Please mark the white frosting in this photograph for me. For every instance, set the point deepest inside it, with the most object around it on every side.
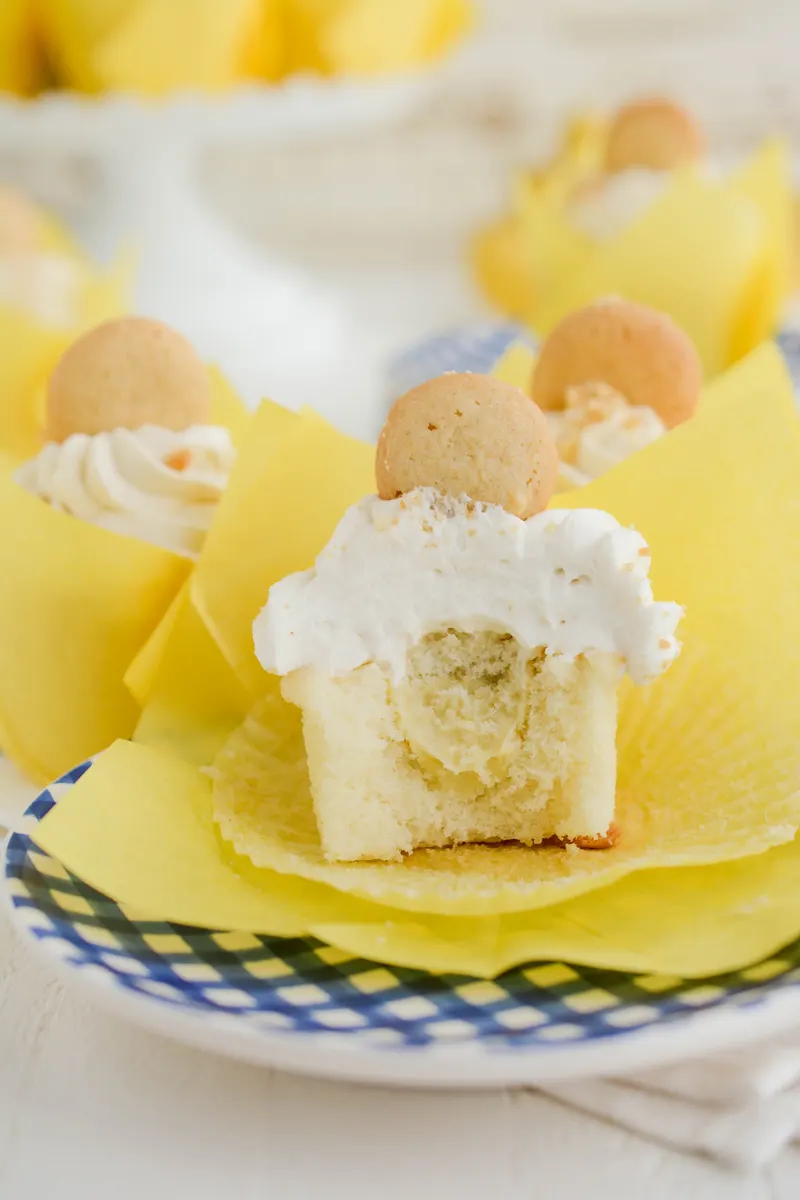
(394, 570)
(44, 285)
(601, 445)
(123, 481)
(617, 201)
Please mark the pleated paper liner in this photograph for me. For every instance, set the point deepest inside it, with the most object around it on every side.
(291, 484)
(715, 254)
(139, 828)
(713, 742)
(77, 605)
(144, 47)
(21, 68)
(720, 785)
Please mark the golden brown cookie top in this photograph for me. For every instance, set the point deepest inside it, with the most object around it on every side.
(639, 352)
(652, 133)
(469, 435)
(127, 373)
(20, 226)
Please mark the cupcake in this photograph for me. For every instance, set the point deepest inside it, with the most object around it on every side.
(99, 530)
(646, 141)
(611, 378)
(632, 206)
(456, 650)
(129, 443)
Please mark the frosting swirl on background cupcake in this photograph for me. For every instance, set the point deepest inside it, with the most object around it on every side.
(612, 378)
(599, 429)
(155, 484)
(604, 210)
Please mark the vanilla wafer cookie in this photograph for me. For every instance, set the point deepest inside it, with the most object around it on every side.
(639, 352)
(652, 133)
(127, 373)
(470, 435)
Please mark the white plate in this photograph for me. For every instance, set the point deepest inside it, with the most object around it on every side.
(301, 1006)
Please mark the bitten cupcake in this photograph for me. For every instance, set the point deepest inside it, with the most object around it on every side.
(612, 378)
(456, 650)
(129, 443)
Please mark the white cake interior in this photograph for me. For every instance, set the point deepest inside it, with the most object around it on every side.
(480, 740)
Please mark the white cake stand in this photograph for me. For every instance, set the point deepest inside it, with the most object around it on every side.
(268, 325)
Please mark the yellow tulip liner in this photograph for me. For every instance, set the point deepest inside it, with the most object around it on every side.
(134, 47)
(20, 59)
(704, 879)
(77, 605)
(715, 254)
(143, 47)
(371, 37)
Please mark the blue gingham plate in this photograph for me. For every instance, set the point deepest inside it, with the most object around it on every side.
(303, 1006)
(478, 347)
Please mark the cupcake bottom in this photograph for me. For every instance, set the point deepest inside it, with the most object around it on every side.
(480, 742)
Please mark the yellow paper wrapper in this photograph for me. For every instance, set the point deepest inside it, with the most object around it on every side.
(20, 61)
(154, 46)
(292, 482)
(719, 502)
(139, 827)
(294, 477)
(159, 46)
(30, 348)
(78, 605)
(698, 253)
(715, 255)
(515, 366)
(365, 37)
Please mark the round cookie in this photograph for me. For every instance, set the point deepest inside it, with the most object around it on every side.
(639, 352)
(127, 373)
(20, 227)
(469, 435)
(652, 133)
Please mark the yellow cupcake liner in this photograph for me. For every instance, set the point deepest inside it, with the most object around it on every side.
(294, 477)
(132, 45)
(716, 255)
(713, 741)
(368, 37)
(154, 46)
(139, 828)
(20, 59)
(31, 347)
(77, 606)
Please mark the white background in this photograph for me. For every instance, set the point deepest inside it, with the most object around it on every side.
(90, 1108)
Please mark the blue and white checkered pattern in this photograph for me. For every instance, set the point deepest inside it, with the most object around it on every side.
(471, 348)
(301, 986)
(478, 347)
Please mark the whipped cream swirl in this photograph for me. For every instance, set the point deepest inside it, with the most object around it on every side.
(599, 429)
(573, 582)
(46, 286)
(617, 200)
(150, 483)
